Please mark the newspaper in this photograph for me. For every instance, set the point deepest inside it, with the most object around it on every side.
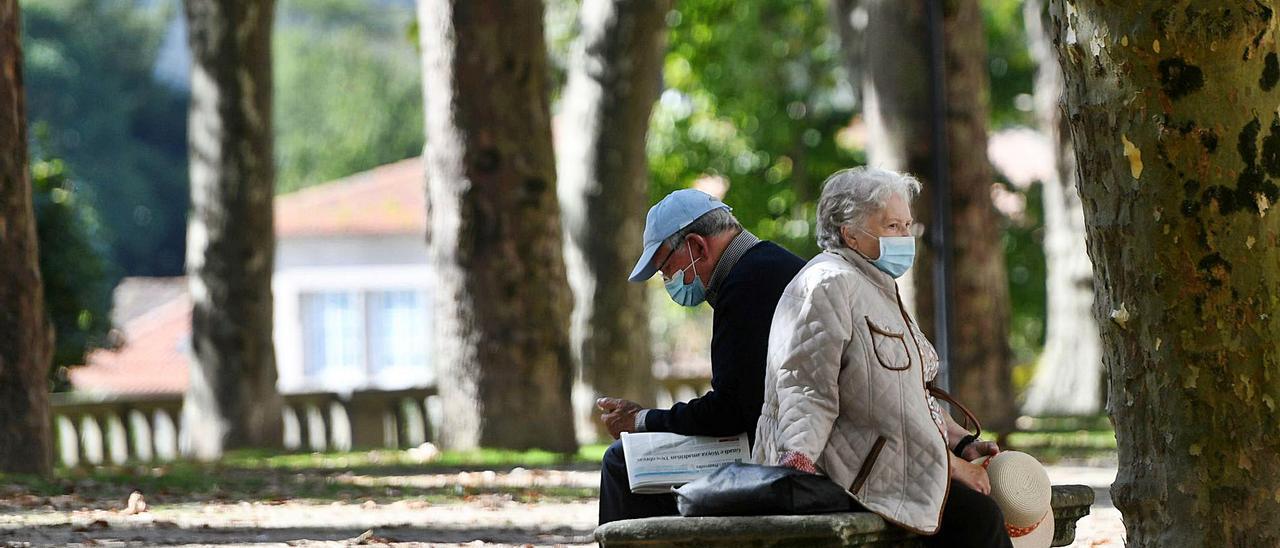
(658, 461)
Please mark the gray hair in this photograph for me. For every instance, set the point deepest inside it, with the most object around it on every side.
(711, 223)
(849, 196)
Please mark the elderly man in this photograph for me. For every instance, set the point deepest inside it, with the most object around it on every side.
(703, 254)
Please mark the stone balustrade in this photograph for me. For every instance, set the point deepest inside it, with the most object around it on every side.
(118, 428)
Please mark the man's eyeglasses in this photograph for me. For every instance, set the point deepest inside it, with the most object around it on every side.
(663, 264)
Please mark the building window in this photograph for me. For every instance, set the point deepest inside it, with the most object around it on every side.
(398, 332)
(333, 331)
(353, 336)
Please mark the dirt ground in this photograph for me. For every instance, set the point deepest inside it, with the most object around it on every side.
(486, 519)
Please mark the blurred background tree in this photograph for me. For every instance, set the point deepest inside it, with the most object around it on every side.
(1012, 73)
(112, 100)
(736, 74)
(348, 89)
(26, 339)
(603, 185)
(90, 85)
(755, 94)
(504, 354)
(74, 264)
(1069, 376)
(232, 400)
(1009, 64)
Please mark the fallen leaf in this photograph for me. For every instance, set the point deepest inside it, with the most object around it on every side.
(368, 537)
(136, 505)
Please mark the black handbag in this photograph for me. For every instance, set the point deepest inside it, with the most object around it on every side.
(738, 489)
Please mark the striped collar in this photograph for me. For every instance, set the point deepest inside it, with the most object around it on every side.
(735, 250)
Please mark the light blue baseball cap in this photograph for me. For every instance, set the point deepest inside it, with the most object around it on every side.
(668, 216)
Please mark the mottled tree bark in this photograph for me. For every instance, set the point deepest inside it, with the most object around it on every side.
(232, 400)
(614, 79)
(502, 318)
(1068, 378)
(1172, 107)
(26, 339)
(896, 94)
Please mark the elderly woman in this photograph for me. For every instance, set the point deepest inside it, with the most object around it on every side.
(847, 387)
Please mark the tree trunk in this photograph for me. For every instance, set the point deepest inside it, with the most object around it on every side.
(26, 340)
(232, 400)
(502, 322)
(1068, 379)
(896, 94)
(614, 80)
(1172, 109)
(849, 18)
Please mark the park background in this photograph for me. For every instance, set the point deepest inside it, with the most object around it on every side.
(481, 348)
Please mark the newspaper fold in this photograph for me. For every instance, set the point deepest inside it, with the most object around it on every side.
(659, 461)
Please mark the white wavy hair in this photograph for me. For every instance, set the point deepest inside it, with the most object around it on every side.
(849, 196)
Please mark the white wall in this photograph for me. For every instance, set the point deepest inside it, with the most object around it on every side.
(357, 263)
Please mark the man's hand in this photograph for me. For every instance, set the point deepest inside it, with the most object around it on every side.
(970, 474)
(979, 449)
(619, 415)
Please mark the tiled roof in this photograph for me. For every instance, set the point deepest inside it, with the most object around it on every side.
(390, 199)
(156, 351)
(154, 314)
(136, 296)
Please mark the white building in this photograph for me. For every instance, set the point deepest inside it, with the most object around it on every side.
(351, 289)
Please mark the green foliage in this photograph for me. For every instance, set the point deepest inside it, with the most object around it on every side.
(1098, 445)
(74, 267)
(1026, 268)
(1012, 73)
(348, 98)
(589, 454)
(348, 93)
(260, 475)
(1009, 63)
(561, 29)
(92, 101)
(755, 93)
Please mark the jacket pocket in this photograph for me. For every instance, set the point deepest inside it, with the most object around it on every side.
(890, 347)
(867, 464)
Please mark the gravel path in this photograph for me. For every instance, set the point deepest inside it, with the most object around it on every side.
(478, 520)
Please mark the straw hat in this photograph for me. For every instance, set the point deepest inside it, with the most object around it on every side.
(1020, 486)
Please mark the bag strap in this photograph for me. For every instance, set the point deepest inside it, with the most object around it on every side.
(969, 419)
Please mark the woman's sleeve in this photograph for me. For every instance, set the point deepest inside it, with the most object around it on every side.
(810, 348)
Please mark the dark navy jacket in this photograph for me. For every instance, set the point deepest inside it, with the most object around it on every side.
(744, 304)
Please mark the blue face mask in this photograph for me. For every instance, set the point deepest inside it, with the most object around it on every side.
(897, 253)
(687, 294)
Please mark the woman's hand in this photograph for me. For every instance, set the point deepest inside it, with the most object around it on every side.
(979, 449)
(972, 475)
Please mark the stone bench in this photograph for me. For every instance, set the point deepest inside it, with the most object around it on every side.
(1070, 503)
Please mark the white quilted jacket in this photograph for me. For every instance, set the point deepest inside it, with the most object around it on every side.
(845, 387)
